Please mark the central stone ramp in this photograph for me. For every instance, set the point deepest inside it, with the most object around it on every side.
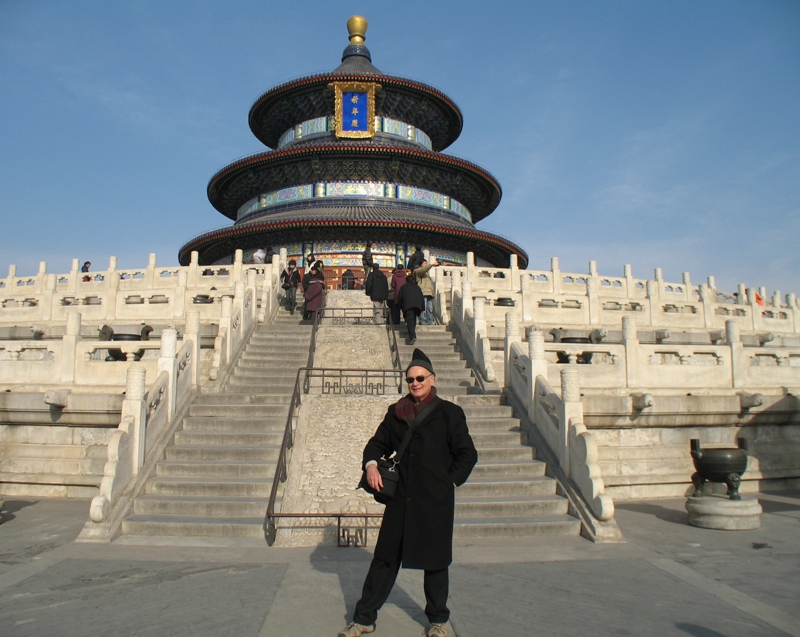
(508, 494)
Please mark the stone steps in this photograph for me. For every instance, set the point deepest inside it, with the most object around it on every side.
(188, 526)
(223, 487)
(215, 478)
(46, 484)
(235, 425)
(530, 526)
(196, 506)
(498, 506)
(239, 411)
(51, 470)
(213, 469)
(225, 438)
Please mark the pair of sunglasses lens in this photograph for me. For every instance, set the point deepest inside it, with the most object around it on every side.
(419, 379)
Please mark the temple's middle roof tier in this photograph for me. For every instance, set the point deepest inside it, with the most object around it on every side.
(351, 160)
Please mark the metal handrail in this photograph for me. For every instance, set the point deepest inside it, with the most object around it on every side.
(394, 349)
(281, 468)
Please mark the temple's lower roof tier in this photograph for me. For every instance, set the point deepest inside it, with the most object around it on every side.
(239, 182)
(358, 223)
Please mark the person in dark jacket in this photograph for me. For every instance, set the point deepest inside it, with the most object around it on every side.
(313, 291)
(314, 296)
(367, 260)
(416, 259)
(290, 277)
(412, 302)
(377, 289)
(398, 281)
(417, 527)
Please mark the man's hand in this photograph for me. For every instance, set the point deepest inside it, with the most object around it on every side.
(374, 477)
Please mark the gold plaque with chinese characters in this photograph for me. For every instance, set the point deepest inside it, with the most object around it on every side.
(355, 109)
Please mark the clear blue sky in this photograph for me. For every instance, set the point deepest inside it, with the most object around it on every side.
(657, 133)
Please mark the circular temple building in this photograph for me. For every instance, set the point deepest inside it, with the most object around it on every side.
(356, 158)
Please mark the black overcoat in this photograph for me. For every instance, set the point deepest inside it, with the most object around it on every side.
(439, 457)
(411, 297)
(377, 286)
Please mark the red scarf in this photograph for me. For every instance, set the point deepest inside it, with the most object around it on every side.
(406, 409)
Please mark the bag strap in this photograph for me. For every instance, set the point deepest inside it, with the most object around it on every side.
(417, 421)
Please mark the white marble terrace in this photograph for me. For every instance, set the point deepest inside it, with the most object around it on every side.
(664, 362)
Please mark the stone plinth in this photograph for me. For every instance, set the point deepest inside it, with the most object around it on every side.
(720, 512)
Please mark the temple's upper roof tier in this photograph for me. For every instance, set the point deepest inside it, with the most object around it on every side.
(398, 98)
(308, 98)
(375, 160)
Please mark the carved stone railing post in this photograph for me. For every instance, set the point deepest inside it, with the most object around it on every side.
(466, 300)
(707, 300)
(74, 277)
(630, 339)
(512, 336)
(134, 406)
(455, 286)
(593, 299)
(112, 291)
(150, 274)
(630, 284)
(41, 277)
(794, 311)
(569, 408)
(237, 266)
(555, 276)
(738, 361)
(48, 297)
(193, 333)
(194, 270)
(69, 356)
(653, 301)
(687, 287)
(478, 320)
(471, 273)
(538, 367)
(514, 274)
(168, 364)
(181, 293)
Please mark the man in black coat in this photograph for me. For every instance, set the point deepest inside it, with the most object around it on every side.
(416, 259)
(417, 527)
(377, 289)
(412, 301)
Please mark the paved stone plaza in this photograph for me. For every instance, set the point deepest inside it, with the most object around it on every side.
(667, 579)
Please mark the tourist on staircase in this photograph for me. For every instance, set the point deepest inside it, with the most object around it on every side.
(426, 285)
(417, 527)
(290, 279)
(398, 281)
(314, 292)
(412, 302)
(377, 289)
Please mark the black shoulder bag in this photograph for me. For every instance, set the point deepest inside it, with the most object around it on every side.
(388, 467)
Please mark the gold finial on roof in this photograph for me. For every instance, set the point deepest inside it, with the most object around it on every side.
(357, 27)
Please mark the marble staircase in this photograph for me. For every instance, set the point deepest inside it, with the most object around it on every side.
(216, 476)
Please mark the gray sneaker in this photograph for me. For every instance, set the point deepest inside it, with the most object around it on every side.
(354, 630)
(436, 630)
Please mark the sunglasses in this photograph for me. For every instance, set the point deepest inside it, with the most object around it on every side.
(419, 379)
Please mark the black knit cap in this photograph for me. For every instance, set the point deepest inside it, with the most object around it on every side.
(418, 359)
